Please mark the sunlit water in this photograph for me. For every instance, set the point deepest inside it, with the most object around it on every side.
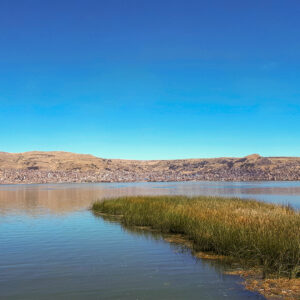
(53, 247)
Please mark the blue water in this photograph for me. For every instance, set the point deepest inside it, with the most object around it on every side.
(53, 247)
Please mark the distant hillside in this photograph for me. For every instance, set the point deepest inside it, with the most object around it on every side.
(43, 167)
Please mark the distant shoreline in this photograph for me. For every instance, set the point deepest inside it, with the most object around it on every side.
(18, 177)
(65, 167)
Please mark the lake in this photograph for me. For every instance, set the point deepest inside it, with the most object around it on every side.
(53, 247)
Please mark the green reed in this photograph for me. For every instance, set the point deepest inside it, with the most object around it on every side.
(253, 232)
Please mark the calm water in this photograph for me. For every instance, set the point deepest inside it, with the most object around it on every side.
(52, 247)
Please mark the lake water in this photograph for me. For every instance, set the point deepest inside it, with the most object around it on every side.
(53, 247)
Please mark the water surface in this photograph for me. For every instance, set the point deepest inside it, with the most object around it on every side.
(53, 247)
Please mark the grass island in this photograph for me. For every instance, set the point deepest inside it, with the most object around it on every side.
(258, 235)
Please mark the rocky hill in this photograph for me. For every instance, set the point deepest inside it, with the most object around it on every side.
(50, 167)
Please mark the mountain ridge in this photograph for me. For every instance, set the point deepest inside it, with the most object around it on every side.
(61, 166)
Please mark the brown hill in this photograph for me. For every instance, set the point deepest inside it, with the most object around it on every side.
(52, 161)
(42, 167)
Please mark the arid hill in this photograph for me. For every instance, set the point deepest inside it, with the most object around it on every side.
(50, 167)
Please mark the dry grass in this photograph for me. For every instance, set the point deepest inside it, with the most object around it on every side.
(255, 233)
(271, 288)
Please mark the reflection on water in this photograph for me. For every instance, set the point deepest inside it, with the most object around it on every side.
(52, 247)
(218, 265)
(79, 256)
(63, 198)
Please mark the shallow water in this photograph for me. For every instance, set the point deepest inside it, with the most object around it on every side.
(52, 247)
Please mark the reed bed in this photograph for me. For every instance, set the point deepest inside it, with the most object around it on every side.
(253, 232)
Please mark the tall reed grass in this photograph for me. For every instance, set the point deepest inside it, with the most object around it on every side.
(254, 232)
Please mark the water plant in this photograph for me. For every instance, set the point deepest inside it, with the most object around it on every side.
(253, 232)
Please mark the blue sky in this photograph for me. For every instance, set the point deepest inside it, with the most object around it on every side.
(150, 79)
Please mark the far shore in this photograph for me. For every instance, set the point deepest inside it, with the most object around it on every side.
(63, 167)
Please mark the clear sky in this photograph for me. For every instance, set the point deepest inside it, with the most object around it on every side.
(150, 79)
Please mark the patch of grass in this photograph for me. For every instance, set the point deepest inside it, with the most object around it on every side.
(256, 233)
